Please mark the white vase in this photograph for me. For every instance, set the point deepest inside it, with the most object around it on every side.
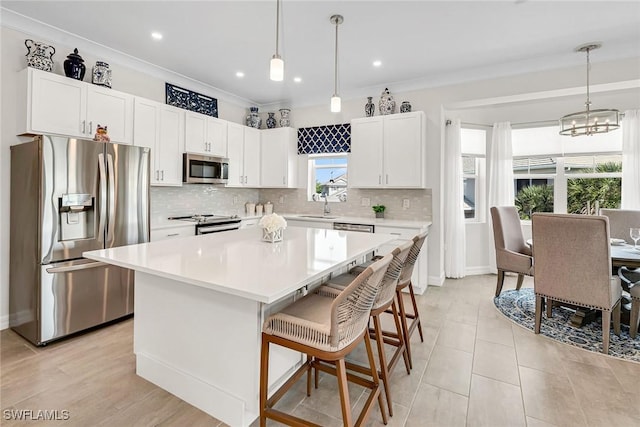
(272, 236)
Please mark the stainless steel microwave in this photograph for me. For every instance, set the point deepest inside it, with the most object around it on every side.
(197, 169)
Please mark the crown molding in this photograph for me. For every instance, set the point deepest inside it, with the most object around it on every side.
(35, 28)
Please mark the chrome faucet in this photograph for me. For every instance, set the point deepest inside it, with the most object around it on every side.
(327, 209)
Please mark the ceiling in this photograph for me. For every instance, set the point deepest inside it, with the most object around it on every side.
(420, 43)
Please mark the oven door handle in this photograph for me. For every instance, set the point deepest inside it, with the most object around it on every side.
(215, 228)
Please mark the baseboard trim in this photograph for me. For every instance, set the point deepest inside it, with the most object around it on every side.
(435, 280)
(475, 271)
(4, 322)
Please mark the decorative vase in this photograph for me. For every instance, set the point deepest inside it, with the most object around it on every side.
(74, 66)
(405, 107)
(369, 107)
(253, 119)
(387, 104)
(271, 121)
(272, 236)
(284, 117)
(39, 55)
(379, 214)
(101, 74)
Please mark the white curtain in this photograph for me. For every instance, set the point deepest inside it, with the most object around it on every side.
(631, 160)
(500, 177)
(454, 224)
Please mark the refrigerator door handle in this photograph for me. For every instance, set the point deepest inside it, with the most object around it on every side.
(112, 199)
(69, 268)
(103, 195)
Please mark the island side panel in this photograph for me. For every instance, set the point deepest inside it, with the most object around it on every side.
(200, 345)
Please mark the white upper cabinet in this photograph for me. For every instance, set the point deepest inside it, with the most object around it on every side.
(388, 151)
(278, 163)
(60, 105)
(161, 128)
(205, 135)
(243, 144)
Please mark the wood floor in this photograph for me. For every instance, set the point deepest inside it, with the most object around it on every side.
(475, 368)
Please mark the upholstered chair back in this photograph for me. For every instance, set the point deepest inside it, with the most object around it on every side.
(573, 259)
(507, 231)
(620, 221)
(391, 276)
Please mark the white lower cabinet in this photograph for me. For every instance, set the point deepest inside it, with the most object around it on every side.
(309, 224)
(247, 223)
(420, 274)
(161, 128)
(172, 233)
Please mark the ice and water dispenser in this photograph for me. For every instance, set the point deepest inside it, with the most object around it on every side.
(77, 216)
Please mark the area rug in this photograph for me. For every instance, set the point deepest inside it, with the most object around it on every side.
(520, 307)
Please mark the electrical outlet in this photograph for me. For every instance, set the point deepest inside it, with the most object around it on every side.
(235, 200)
(281, 200)
(406, 203)
(365, 201)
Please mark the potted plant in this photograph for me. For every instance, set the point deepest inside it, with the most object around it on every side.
(379, 210)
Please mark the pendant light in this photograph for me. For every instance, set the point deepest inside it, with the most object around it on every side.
(335, 99)
(590, 121)
(276, 67)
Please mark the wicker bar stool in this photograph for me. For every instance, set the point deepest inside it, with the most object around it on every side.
(384, 301)
(326, 328)
(405, 282)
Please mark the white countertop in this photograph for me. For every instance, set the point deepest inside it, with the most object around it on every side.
(160, 222)
(240, 263)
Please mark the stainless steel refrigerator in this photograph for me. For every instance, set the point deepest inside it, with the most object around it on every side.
(69, 196)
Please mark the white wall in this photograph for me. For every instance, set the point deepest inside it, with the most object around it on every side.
(431, 100)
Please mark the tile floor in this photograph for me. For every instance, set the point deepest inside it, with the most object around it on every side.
(475, 368)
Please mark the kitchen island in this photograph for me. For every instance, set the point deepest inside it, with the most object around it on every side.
(200, 303)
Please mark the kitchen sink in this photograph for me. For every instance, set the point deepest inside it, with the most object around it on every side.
(319, 216)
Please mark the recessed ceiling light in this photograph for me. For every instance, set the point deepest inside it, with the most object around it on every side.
(297, 79)
(156, 36)
(239, 74)
(377, 63)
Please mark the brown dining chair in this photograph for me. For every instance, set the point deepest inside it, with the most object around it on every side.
(630, 279)
(620, 221)
(512, 252)
(573, 265)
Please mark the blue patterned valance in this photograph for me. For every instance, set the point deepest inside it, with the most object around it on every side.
(325, 139)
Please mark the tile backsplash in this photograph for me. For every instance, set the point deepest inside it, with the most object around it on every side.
(199, 198)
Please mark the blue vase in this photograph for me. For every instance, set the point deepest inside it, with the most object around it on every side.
(271, 121)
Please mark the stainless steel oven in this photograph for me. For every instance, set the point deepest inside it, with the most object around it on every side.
(209, 223)
(197, 169)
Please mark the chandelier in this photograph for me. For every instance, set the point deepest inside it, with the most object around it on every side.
(590, 121)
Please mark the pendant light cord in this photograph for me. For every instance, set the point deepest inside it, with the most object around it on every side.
(277, 27)
(588, 104)
(335, 75)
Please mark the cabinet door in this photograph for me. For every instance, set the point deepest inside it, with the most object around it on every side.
(170, 142)
(273, 162)
(217, 137)
(145, 132)
(58, 104)
(251, 157)
(365, 161)
(403, 151)
(196, 133)
(235, 152)
(110, 108)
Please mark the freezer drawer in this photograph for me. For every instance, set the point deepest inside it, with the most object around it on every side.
(81, 294)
